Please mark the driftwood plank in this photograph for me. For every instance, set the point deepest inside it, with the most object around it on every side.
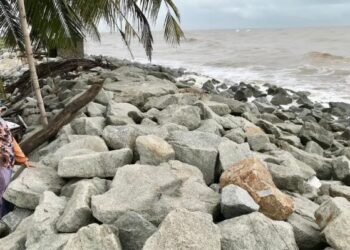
(63, 118)
(53, 69)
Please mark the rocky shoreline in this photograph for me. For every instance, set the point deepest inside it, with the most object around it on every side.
(162, 161)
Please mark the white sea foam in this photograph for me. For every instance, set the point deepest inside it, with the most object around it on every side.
(298, 59)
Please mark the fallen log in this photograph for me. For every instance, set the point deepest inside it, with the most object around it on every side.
(63, 118)
(53, 69)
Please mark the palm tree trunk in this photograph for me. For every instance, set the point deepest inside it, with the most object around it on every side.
(31, 62)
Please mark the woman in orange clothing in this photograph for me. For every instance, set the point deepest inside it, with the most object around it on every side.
(10, 153)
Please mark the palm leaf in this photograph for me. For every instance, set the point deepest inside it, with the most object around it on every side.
(60, 23)
(54, 23)
(172, 30)
(10, 28)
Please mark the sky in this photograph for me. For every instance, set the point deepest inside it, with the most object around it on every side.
(230, 14)
(233, 14)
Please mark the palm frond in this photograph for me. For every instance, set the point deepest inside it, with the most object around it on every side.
(172, 30)
(61, 23)
(10, 28)
(54, 23)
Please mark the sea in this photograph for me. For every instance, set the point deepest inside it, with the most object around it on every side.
(301, 59)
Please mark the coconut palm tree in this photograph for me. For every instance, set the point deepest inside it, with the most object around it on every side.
(31, 61)
(61, 23)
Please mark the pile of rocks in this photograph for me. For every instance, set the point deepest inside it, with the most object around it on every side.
(154, 163)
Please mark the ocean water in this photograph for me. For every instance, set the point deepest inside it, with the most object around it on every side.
(309, 59)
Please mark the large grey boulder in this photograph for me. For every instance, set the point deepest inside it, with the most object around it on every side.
(258, 142)
(101, 165)
(72, 146)
(26, 190)
(88, 125)
(154, 150)
(153, 191)
(138, 88)
(94, 109)
(290, 127)
(198, 149)
(188, 116)
(292, 140)
(134, 230)
(307, 233)
(264, 107)
(182, 229)
(45, 217)
(210, 126)
(281, 99)
(68, 189)
(236, 107)
(15, 217)
(94, 237)
(341, 167)
(51, 242)
(231, 153)
(254, 232)
(17, 239)
(122, 113)
(333, 217)
(340, 108)
(269, 128)
(77, 212)
(303, 206)
(220, 109)
(314, 148)
(314, 132)
(326, 186)
(236, 201)
(288, 173)
(236, 135)
(227, 121)
(322, 166)
(118, 137)
(161, 102)
(104, 97)
(340, 191)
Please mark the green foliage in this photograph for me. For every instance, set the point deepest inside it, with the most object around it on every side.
(60, 23)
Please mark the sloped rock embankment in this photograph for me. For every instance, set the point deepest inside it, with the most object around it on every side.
(155, 163)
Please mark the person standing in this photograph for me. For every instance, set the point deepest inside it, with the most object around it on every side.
(10, 154)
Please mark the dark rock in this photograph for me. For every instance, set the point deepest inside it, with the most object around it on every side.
(305, 102)
(209, 87)
(312, 131)
(134, 230)
(345, 135)
(340, 109)
(341, 167)
(198, 149)
(236, 201)
(281, 99)
(307, 233)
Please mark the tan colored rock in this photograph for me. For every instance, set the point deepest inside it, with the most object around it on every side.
(252, 175)
(253, 131)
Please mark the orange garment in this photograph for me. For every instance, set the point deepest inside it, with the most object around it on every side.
(20, 157)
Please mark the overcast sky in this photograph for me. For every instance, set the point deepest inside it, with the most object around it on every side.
(232, 14)
(208, 14)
